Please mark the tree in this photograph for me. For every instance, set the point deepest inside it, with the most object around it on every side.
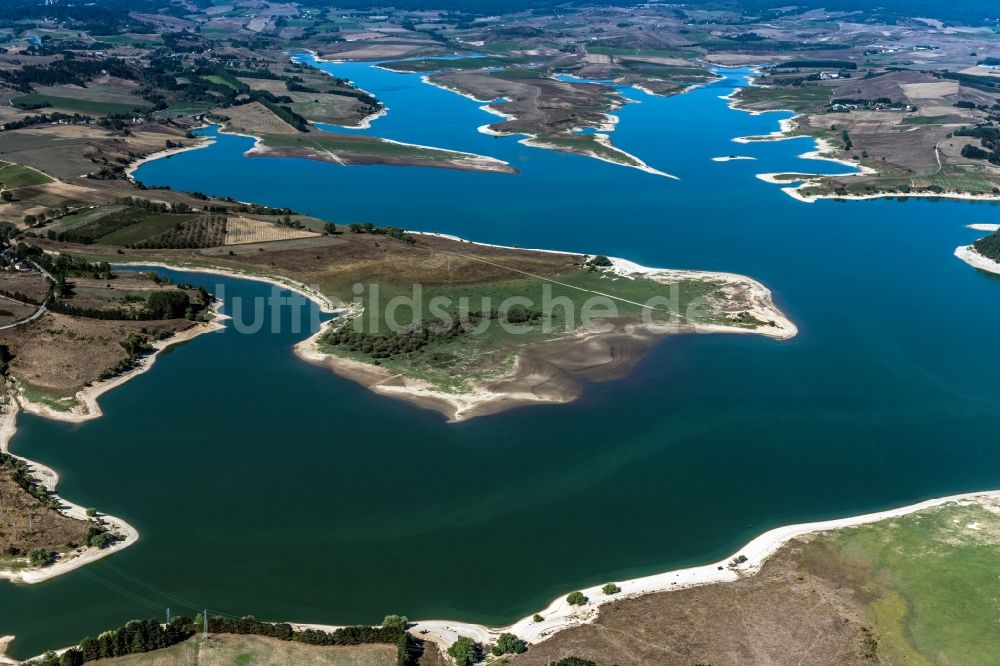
(575, 661)
(508, 643)
(576, 598)
(464, 651)
(40, 556)
(538, 618)
(396, 622)
(6, 196)
(610, 589)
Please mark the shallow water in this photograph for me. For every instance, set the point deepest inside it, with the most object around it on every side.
(262, 485)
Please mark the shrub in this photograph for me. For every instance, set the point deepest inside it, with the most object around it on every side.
(538, 618)
(39, 557)
(600, 261)
(464, 651)
(395, 622)
(508, 643)
(576, 598)
(611, 588)
(575, 661)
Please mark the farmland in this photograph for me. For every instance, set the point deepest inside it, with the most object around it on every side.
(241, 230)
(13, 176)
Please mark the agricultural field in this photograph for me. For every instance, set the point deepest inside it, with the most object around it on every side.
(803, 98)
(13, 176)
(86, 101)
(228, 649)
(241, 230)
(28, 287)
(255, 119)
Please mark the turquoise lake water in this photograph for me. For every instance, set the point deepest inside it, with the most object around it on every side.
(262, 485)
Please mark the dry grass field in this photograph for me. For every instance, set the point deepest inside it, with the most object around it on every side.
(32, 285)
(256, 119)
(56, 355)
(797, 610)
(241, 230)
(271, 85)
(230, 650)
(47, 529)
(12, 311)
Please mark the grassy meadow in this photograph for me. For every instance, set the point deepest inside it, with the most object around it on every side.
(930, 587)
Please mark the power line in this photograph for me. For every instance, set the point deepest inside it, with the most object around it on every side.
(153, 588)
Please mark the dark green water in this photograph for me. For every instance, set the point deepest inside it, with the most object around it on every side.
(262, 485)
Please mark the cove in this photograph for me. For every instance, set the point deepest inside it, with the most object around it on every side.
(262, 485)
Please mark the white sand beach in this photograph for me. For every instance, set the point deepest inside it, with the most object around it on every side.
(968, 254)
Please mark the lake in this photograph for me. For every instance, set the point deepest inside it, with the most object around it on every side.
(265, 486)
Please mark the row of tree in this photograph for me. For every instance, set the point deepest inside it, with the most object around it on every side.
(140, 636)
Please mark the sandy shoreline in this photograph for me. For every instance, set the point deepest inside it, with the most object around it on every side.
(200, 142)
(534, 379)
(87, 407)
(48, 476)
(560, 615)
(534, 141)
(969, 255)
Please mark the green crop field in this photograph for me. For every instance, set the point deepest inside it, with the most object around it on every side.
(931, 583)
(13, 176)
(795, 99)
(221, 80)
(80, 105)
(148, 227)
